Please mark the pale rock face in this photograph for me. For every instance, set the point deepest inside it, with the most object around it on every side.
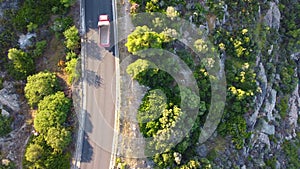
(24, 40)
(272, 18)
(266, 128)
(9, 98)
(270, 105)
(294, 104)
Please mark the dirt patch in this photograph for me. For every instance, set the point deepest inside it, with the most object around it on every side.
(55, 52)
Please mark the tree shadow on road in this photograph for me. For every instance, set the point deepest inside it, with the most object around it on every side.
(93, 79)
(87, 150)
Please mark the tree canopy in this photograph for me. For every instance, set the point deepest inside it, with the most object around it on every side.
(52, 111)
(143, 38)
(72, 38)
(34, 152)
(40, 85)
(58, 138)
(23, 64)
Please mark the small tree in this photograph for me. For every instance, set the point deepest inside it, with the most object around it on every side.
(71, 70)
(58, 138)
(143, 38)
(34, 152)
(39, 48)
(23, 64)
(40, 85)
(67, 3)
(72, 38)
(139, 66)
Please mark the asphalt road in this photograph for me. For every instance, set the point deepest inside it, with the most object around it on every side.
(100, 96)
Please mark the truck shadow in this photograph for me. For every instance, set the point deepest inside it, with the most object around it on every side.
(93, 50)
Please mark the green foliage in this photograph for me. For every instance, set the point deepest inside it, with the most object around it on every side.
(288, 80)
(290, 26)
(52, 111)
(11, 165)
(271, 163)
(139, 68)
(71, 70)
(67, 3)
(71, 55)
(143, 38)
(39, 48)
(34, 152)
(1, 83)
(61, 24)
(192, 164)
(31, 11)
(283, 106)
(5, 123)
(8, 37)
(164, 160)
(237, 128)
(291, 148)
(152, 6)
(41, 156)
(154, 103)
(58, 138)
(23, 64)
(58, 160)
(40, 85)
(31, 27)
(72, 41)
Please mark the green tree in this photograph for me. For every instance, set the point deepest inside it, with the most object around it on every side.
(52, 111)
(139, 66)
(143, 38)
(71, 55)
(58, 138)
(31, 27)
(22, 63)
(39, 48)
(71, 70)
(67, 3)
(72, 38)
(34, 152)
(150, 111)
(40, 85)
(58, 160)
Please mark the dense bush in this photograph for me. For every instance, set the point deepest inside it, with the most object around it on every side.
(22, 63)
(143, 38)
(39, 48)
(52, 112)
(40, 85)
(71, 70)
(72, 37)
(35, 12)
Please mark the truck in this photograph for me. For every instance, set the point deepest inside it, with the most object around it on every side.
(104, 30)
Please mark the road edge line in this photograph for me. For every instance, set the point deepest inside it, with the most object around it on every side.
(117, 103)
(82, 114)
